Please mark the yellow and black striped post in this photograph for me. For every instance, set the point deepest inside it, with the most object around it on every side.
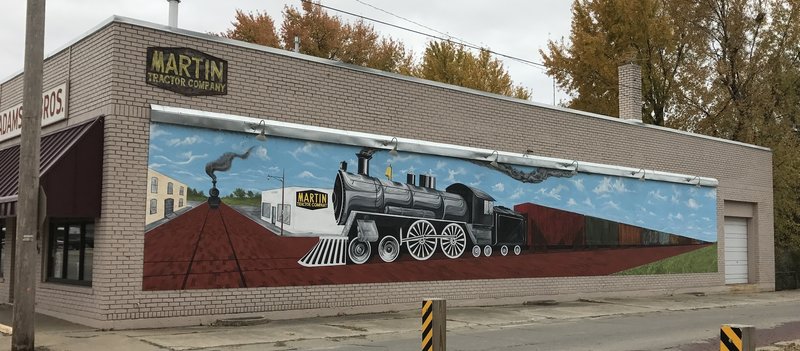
(434, 326)
(735, 337)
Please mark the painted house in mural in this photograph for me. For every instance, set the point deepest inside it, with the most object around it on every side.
(306, 211)
(165, 196)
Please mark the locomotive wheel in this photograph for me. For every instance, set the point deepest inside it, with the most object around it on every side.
(358, 251)
(476, 251)
(389, 248)
(453, 247)
(418, 240)
(517, 250)
(504, 250)
(487, 250)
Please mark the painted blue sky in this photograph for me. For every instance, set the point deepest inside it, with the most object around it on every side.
(182, 152)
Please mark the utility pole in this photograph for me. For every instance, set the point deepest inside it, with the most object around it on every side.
(28, 196)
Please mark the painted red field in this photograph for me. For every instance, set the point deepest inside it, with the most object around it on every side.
(206, 249)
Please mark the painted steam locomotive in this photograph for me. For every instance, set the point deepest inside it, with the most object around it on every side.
(420, 217)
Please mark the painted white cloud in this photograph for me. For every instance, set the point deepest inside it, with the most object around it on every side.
(156, 148)
(187, 156)
(672, 217)
(578, 183)
(274, 169)
(218, 140)
(308, 148)
(691, 203)
(656, 194)
(309, 175)
(499, 187)
(554, 193)
(190, 140)
(711, 194)
(517, 194)
(604, 186)
(261, 152)
(156, 132)
(440, 164)
(611, 204)
(156, 165)
(571, 202)
(588, 202)
(403, 158)
(452, 173)
(619, 186)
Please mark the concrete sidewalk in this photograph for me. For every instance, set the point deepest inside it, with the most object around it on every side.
(55, 334)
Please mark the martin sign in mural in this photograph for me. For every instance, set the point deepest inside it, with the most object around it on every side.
(288, 211)
(186, 71)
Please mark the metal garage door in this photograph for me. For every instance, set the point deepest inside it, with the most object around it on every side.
(735, 250)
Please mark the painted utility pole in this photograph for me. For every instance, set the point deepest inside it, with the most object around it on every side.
(28, 197)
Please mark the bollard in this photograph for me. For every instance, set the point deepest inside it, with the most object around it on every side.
(736, 337)
(434, 328)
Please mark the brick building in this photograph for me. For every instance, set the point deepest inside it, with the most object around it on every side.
(98, 227)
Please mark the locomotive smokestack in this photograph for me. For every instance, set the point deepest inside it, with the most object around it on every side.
(411, 178)
(424, 180)
(343, 166)
(363, 161)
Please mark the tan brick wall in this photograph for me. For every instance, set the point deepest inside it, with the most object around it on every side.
(288, 87)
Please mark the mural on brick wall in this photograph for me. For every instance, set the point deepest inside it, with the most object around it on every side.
(225, 210)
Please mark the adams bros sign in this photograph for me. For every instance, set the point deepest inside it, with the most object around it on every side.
(186, 71)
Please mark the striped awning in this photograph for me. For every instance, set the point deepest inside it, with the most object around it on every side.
(54, 147)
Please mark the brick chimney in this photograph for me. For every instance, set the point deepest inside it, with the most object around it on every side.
(630, 92)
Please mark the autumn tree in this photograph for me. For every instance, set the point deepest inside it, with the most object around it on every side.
(744, 87)
(323, 35)
(725, 68)
(447, 62)
(608, 33)
(327, 36)
(258, 28)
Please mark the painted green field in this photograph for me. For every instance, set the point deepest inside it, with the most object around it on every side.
(699, 261)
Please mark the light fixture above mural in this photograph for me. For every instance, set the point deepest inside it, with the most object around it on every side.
(642, 171)
(690, 180)
(496, 156)
(262, 135)
(575, 169)
(393, 151)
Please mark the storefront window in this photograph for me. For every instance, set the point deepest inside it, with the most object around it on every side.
(71, 251)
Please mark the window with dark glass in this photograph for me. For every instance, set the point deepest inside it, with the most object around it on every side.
(180, 191)
(154, 185)
(71, 251)
(180, 202)
(169, 188)
(153, 206)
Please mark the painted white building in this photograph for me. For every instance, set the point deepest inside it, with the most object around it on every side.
(306, 211)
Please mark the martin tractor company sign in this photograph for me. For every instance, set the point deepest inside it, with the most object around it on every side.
(186, 71)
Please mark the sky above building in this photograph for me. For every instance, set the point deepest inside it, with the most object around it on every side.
(516, 28)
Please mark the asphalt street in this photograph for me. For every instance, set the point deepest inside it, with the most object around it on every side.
(664, 322)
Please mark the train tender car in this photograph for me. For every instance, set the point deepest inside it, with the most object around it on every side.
(388, 215)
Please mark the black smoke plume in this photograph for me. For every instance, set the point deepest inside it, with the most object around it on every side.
(223, 163)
